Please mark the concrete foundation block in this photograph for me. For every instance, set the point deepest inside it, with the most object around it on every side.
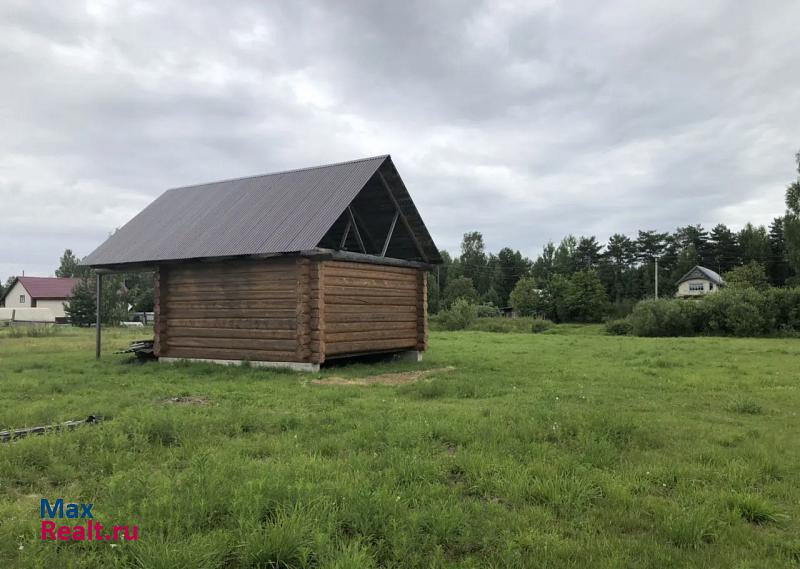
(293, 366)
(408, 356)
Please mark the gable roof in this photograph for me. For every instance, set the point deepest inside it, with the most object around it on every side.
(45, 287)
(702, 273)
(283, 212)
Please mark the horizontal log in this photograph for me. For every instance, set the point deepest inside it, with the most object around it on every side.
(289, 294)
(367, 266)
(369, 283)
(234, 343)
(336, 327)
(232, 281)
(232, 268)
(349, 336)
(331, 308)
(173, 304)
(367, 291)
(176, 332)
(239, 323)
(365, 317)
(410, 277)
(368, 346)
(229, 354)
(406, 300)
(229, 313)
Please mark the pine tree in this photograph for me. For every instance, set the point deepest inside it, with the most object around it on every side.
(754, 244)
(69, 266)
(778, 268)
(81, 307)
(725, 249)
(619, 256)
(587, 253)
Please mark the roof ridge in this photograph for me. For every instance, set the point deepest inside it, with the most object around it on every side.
(264, 175)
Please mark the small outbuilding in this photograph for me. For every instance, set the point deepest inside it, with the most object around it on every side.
(699, 281)
(287, 269)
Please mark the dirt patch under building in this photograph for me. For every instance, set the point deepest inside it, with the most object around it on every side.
(398, 378)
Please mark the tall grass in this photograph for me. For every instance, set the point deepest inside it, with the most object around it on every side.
(568, 448)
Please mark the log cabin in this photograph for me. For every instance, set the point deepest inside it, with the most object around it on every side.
(289, 269)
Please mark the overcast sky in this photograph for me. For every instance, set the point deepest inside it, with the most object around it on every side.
(524, 120)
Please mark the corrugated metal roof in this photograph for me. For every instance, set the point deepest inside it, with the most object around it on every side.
(274, 213)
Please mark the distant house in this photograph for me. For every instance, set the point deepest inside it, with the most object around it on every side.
(698, 281)
(40, 292)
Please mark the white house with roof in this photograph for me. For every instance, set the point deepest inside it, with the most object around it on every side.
(699, 281)
(40, 292)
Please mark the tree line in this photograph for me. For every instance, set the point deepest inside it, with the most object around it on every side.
(581, 279)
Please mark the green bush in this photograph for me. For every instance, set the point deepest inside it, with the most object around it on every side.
(540, 325)
(735, 311)
(619, 327)
(661, 318)
(784, 304)
(487, 311)
(460, 316)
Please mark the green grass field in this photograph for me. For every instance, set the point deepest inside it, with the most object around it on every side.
(562, 449)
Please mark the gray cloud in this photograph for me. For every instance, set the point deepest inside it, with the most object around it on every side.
(525, 120)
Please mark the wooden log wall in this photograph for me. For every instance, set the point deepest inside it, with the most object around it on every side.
(255, 311)
(370, 308)
(317, 306)
(288, 310)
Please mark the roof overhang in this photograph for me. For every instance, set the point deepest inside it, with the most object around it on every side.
(317, 253)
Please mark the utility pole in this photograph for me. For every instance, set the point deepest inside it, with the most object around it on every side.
(656, 258)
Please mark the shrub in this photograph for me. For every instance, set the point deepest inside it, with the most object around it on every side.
(742, 311)
(540, 325)
(784, 304)
(460, 316)
(487, 311)
(525, 298)
(737, 312)
(661, 318)
(751, 275)
(619, 327)
(460, 287)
